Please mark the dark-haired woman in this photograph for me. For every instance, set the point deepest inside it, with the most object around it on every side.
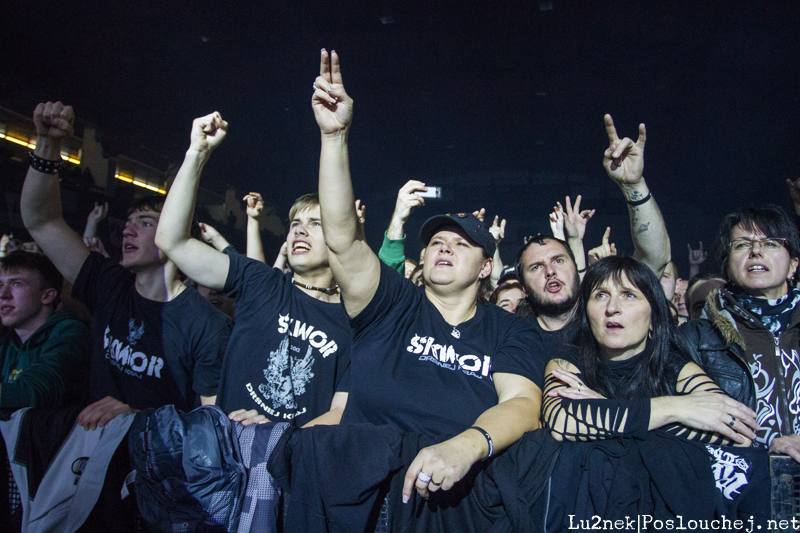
(748, 338)
(624, 347)
(624, 373)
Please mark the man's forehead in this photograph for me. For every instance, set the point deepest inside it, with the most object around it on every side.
(307, 213)
(144, 213)
(448, 231)
(17, 273)
(542, 252)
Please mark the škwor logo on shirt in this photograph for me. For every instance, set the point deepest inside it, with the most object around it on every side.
(445, 356)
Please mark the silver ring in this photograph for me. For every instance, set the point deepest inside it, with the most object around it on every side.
(435, 484)
(732, 422)
(425, 478)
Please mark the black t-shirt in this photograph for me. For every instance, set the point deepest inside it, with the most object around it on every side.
(147, 353)
(411, 371)
(551, 340)
(289, 353)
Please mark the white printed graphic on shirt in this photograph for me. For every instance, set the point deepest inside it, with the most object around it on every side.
(315, 337)
(446, 357)
(730, 471)
(768, 396)
(134, 332)
(286, 376)
(133, 363)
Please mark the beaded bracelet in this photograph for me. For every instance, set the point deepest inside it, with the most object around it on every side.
(46, 166)
(488, 439)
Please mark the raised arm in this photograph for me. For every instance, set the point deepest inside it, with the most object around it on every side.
(498, 231)
(575, 222)
(392, 251)
(624, 163)
(355, 267)
(255, 204)
(40, 205)
(195, 259)
(96, 216)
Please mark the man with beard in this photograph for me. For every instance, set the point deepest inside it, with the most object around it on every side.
(546, 265)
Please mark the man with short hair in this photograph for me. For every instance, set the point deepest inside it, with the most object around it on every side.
(156, 341)
(289, 354)
(546, 265)
(44, 355)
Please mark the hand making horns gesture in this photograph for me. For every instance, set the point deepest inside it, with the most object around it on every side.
(333, 109)
(624, 159)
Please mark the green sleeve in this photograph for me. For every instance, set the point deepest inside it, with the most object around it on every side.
(393, 253)
(57, 372)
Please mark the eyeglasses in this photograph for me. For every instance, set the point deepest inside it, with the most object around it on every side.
(746, 245)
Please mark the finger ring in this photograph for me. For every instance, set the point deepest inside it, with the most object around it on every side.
(732, 422)
(315, 86)
(425, 478)
(435, 484)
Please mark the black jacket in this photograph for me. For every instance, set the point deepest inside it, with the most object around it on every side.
(718, 341)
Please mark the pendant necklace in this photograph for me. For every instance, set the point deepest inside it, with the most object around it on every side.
(455, 333)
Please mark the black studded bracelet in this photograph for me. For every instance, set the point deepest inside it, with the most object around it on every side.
(43, 165)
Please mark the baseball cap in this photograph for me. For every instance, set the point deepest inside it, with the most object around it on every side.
(475, 230)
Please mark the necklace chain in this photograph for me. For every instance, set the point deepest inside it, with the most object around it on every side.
(326, 290)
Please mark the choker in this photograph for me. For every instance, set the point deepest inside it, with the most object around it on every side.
(326, 290)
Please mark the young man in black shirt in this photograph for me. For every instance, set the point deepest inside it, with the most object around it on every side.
(289, 354)
(156, 342)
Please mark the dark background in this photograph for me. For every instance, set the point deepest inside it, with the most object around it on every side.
(500, 103)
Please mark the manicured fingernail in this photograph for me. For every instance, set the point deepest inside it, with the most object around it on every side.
(405, 499)
(616, 154)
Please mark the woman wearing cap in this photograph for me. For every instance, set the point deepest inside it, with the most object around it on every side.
(429, 361)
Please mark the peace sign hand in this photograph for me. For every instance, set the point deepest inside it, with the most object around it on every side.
(333, 108)
(624, 159)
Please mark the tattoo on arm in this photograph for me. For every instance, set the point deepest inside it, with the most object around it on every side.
(643, 227)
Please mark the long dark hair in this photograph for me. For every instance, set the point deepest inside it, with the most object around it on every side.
(648, 379)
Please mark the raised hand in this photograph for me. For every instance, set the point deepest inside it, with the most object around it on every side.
(97, 214)
(361, 212)
(208, 132)
(254, 204)
(333, 108)
(624, 159)
(408, 199)
(498, 229)
(575, 220)
(604, 250)
(557, 223)
(480, 214)
(54, 120)
(697, 257)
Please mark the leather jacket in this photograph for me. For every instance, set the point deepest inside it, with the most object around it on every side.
(717, 344)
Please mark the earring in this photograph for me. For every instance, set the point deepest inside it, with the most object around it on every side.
(650, 334)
